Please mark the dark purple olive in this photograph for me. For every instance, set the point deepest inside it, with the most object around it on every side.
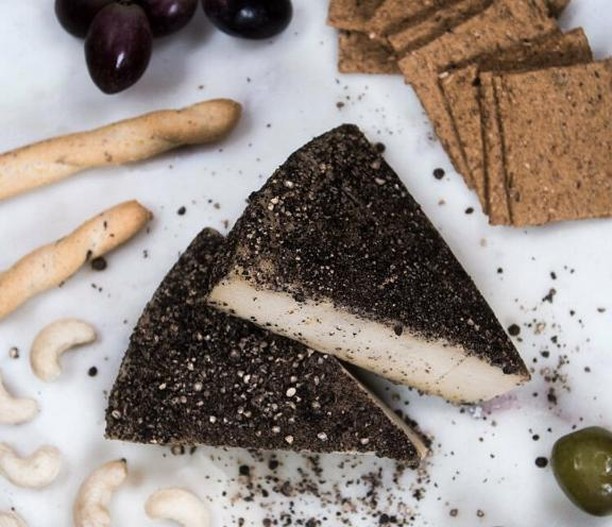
(254, 19)
(118, 46)
(168, 16)
(75, 16)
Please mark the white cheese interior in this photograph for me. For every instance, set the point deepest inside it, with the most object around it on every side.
(431, 366)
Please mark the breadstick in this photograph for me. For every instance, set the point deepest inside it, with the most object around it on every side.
(134, 139)
(49, 265)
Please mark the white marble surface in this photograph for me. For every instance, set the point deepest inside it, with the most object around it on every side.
(482, 458)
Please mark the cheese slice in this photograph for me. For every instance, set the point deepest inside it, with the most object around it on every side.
(335, 253)
(192, 375)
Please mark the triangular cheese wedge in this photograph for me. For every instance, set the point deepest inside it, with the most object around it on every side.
(193, 375)
(334, 252)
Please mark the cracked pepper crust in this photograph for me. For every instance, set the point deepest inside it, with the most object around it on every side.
(193, 375)
(335, 222)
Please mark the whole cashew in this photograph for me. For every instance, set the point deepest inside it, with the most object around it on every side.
(55, 339)
(35, 471)
(11, 519)
(92, 501)
(178, 505)
(15, 410)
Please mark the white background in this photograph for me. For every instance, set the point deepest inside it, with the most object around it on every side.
(482, 458)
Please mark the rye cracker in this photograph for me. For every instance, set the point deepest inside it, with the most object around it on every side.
(504, 24)
(464, 111)
(558, 155)
(351, 14)
(357, 53)
(493, 154)
(419, 33)
(392, 15)
(432, 98)
(460, 89)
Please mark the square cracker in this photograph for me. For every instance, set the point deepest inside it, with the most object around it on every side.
(558, 155)
(420, 32)
(504, 24)
(393, 15)
(357, 53)
(493, 153)
(461, 97)
(432, 98)
(351, 14)
(461, 91)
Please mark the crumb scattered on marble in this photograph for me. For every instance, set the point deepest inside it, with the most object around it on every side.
(99, 263)
(514, 330)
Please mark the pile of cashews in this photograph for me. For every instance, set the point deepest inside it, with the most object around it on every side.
(41, 468)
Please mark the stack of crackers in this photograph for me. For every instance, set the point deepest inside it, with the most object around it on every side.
(523, 111)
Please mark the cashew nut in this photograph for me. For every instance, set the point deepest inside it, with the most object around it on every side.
(178, 505)
(11, 519)
(93, 499)
(15, 410)
(34, 471)
(55, 339)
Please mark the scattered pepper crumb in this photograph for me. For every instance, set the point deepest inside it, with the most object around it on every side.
(549, 297)
(514, 330)
(380, 147)
(99, 263)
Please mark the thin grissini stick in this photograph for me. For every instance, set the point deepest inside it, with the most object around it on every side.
(50, 265)
(118, 143)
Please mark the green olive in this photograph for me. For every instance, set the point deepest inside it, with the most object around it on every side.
(582, 464)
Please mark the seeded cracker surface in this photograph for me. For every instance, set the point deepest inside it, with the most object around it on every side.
(557, 158)
(351, 14)
(504, 24)
(461, 89)
(435, 25)
(493, 154)
(393, 15)
(357, 53)
(335, 223)
(192, 375)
